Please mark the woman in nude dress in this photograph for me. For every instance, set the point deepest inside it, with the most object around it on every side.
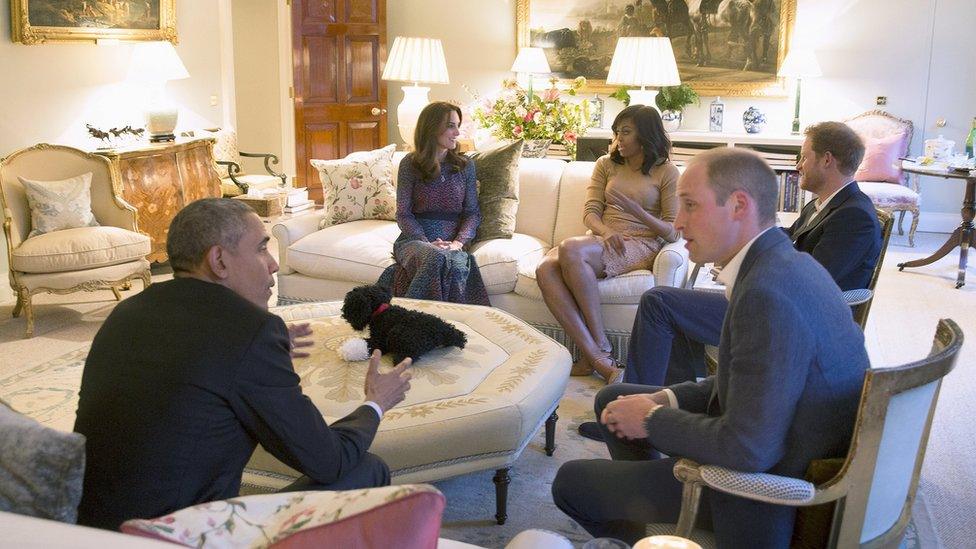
(630, 209)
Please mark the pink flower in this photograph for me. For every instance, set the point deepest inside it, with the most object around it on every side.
(517, 131)
(356, 182)
(569, 136)
(552, 94)
(529, 115)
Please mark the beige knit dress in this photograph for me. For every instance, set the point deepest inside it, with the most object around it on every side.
(655, 192)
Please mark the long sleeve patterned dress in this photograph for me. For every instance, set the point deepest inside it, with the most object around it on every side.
(447, 209)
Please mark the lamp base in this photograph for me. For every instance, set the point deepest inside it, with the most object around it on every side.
(408, 111)
(162, 138)
(161, 124)
(643, 97)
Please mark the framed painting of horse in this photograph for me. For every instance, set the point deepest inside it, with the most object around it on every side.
(722, 47)
(40, 21)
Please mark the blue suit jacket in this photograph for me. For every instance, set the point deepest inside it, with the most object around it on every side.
(791, 365)
(845, 239)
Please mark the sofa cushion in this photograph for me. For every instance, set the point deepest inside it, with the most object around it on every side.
(357, 251)
(391, 516)
(499, 259)
(41, 469)
(880, 161)
(498, 190)
(359, 186)
(79, 249)
(625, 289)
(59, 205)
(539, 195)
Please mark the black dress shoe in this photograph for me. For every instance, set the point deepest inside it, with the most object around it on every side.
(590, 430)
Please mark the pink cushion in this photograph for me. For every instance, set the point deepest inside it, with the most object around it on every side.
(881, 159)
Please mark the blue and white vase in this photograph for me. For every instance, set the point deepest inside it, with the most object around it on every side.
(753, 120)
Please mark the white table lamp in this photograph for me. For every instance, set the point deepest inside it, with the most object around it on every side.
(154, 64)
(531, 61)
(799, 63)
(417, 60)
(643, 61)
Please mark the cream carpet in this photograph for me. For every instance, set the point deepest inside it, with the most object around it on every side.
(900, 329)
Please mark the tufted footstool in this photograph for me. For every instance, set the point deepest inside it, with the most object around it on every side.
(467, 410)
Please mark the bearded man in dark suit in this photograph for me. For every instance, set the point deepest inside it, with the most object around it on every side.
(184, 380)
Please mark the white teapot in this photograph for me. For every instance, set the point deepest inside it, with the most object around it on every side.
(939, 149)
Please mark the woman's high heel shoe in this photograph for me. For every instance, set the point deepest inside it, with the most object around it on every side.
(612, 373)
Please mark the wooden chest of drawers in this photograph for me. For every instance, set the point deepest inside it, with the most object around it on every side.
(159, 179)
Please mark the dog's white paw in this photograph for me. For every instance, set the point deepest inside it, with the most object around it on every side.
(354, 349)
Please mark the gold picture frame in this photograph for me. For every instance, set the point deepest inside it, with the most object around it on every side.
(42, 21)
(579, 37)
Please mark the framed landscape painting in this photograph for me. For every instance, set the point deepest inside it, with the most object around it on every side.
(40, 21)
(722, 47)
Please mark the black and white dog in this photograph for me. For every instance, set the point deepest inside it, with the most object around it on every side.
(394, 330)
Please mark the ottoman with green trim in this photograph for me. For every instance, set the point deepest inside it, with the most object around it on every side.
(467, 410)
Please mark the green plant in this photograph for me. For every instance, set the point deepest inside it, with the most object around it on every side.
(674, 98)
(544, 115)
(620, 94)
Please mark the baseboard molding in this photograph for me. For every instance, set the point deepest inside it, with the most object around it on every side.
(932, 222)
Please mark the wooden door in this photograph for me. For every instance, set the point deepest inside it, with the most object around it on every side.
(338, 52)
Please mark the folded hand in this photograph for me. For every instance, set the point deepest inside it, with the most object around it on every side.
(296, 339)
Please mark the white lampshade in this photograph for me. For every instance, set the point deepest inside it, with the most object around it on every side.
(531, 60)
(800, 63)
(417, 60)
(155, 62)
(643, 61)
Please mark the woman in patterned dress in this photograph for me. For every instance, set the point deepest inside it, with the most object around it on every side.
(630, 209)
(437, 211)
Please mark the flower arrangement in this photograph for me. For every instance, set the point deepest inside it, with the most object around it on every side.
(513, 114)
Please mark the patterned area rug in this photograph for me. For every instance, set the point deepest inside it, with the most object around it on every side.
(49, 393)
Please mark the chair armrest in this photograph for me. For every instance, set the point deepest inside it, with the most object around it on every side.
(292, 230)
(775, 489)
(269, 160)
(233, 170)
(857, 297)
(671, 265)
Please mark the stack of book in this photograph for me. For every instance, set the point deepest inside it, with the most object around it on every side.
(297, 200)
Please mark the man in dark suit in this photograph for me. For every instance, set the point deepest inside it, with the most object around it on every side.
(185, 378)
(839, 229)
(791, 365)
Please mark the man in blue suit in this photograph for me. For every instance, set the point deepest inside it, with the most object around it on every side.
(790, 370)
(839, 229)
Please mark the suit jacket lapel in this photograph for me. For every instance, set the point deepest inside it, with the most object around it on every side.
(835, 203)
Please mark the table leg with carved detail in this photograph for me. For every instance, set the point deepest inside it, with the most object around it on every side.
(964, 237)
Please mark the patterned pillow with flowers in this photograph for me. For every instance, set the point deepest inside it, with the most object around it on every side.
(393, 516)
(359, 186)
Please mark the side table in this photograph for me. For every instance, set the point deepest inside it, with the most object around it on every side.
(964, 235)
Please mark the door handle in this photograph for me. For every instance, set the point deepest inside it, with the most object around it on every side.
(376, 111)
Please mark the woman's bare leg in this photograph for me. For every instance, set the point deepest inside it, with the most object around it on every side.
(562, 304)
(581, 261)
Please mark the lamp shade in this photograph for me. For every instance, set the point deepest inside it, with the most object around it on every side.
(155, 62)
(417, 60)
(643, 61)
(531, 60)
(800, 63)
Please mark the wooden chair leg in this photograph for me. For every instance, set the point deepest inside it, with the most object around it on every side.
(911, 232)
(117, 293)
(19, 307)
(28, 312)
(146, 279)
(901, 217)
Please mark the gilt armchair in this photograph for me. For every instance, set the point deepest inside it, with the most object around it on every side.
(107, 256)
(886, 139)
(871, 494)
(233, 180)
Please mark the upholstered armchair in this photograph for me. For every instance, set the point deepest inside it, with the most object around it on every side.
(107, 256)
(233, 180)
(886, 139)
(865, 499)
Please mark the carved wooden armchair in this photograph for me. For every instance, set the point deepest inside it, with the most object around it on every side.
(233, 180)
(93, 258)
(872, 492)
(887, 138)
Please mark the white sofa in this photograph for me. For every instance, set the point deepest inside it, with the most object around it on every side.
(319, 265)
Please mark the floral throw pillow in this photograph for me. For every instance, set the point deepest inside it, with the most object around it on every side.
(59, 205)
(359, 186)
